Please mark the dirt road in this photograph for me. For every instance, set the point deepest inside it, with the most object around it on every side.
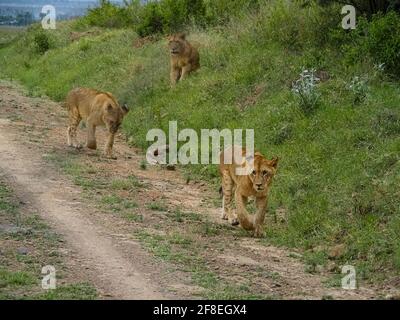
(158, 239)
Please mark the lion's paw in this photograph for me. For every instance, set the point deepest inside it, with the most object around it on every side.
(77, 146)
(259, 232)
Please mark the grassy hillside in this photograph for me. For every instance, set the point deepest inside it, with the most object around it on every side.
(339, 174)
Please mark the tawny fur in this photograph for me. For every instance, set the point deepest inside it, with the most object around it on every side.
(96, 109)
(254, 181)
(184, 58)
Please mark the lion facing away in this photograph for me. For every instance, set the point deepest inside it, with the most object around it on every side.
(97, 109)
(184, 57)
(254, 180)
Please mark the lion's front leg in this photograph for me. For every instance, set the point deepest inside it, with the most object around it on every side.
(175, 75)
(108, 149)
(91, 136)
(241, 211)
(259, 218)
(185, 71)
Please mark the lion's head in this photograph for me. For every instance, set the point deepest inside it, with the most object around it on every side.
(262, 171)
(113, 114)
(176, 43)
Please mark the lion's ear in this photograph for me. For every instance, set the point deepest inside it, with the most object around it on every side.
(125, 109)
(274, 162)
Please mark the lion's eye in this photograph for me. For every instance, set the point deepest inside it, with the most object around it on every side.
(253, 172)
(265, 172)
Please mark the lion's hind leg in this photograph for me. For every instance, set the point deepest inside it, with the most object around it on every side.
(74, 120)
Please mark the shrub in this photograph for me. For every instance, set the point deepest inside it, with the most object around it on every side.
(108, 15)
(359, 89)
(282, 23)
(152, 20)
(41, 42)
(165, 16)
(377, 39)
(284, 26)
(383, 41)
(219, 12)
(178, 13)
(305, 88)
(168, 16)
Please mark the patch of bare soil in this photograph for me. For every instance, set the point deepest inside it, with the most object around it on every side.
(181, 216)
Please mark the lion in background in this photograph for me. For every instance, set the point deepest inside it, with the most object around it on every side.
(96, 109)
(254, 181)
(184, 57)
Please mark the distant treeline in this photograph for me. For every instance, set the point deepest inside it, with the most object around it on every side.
(26, 12)
(18, 19)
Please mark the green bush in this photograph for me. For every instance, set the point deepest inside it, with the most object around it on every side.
(168, 16)
(165, 16)
(221, 11)
(377, 40)
(152, 20)
(314, 28)
(41, 42)
(306, 90)
(108, 15)
(383, 41)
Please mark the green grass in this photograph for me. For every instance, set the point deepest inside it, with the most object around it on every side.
(81, 291)
(15, 279)
(129, 184)
(8, 34)
(339, 168)
(6, 204)
(157, 206)
(116, 203)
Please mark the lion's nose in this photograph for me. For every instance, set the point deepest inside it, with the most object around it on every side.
(258, 184)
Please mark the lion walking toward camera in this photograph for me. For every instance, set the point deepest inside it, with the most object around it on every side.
(184, 57)
(97, 109)
(253, 180)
